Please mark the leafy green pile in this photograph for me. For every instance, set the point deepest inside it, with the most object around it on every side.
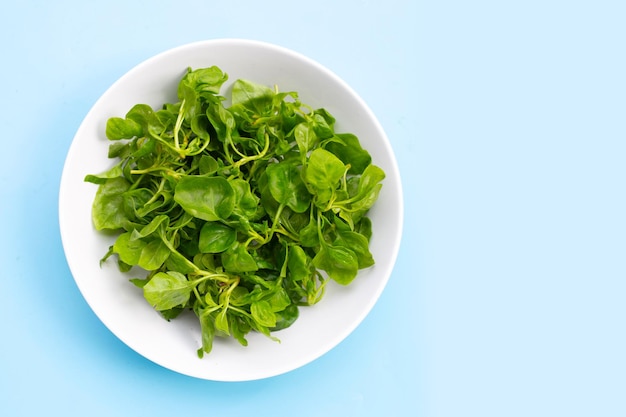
(235, 212)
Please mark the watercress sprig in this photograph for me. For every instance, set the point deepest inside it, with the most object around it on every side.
(240, 214)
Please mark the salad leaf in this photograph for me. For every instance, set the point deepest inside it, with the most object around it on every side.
(238, 214)
(166, 290)
(207, 198)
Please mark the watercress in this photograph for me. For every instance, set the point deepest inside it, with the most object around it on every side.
(240, 214)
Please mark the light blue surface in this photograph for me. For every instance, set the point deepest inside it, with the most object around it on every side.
(508, 122)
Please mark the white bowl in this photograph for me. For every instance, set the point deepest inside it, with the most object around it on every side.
(121, 306)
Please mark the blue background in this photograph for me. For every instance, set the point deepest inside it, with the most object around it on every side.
(508, 122)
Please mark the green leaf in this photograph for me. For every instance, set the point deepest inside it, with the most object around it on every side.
(286, 317)
(118, 128)
(172, 313)
(365, 203)
(245, 201)
(239, 328)
(279, 300)
(190, 102)
(321, 126)
(204, 80)
(286, 186)
(358, 244)
(108, 206)
(328, 119)
(151, 227)
(207, 165)
(254, 97)
(205, 261)
(371, 177)
(367, 192)
(308, 235)
(222, 121)
(364, 227)
(348, 149)
(221, 321)
(144, 147)
(178, 262)
(144, 116)
(207, 329)
(167, 290)
(118, 149)
(128, 249)
(200, 126)
(306, 138)
(139, 282)
(216, 237)
(340, 263)
(237, 259)
(114, 172)
(268, 202)
(323, 172)
(263, 314)
(135, 201)
(153, 255)
(298, 264)
(168, 114)
(207, 198)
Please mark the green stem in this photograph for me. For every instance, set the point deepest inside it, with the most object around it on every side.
(208, 311)
(199, 297)
(240, 311)
(163, 142)
(205, 275)
(155, 169)
(261, 154)
(179, 122)
(289, 234)
(157, 193)
(275, 222)
(190, 264)
(136, 183)
(320, 235)
(319, 292)
(206, 143)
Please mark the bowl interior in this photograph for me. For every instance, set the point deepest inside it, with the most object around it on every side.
(121, 306)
